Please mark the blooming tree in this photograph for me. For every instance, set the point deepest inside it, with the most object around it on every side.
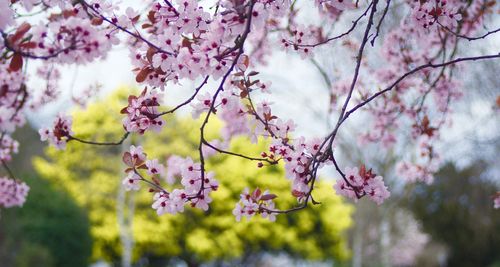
(227, 41)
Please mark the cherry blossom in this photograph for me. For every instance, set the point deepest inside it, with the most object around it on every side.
(430, 13)
(155, 168)
(12, 193)
(132, 182)
(184, 41)
(59, 134)
(358, 183)
(8, 146)
(142, 112)
(257, 202)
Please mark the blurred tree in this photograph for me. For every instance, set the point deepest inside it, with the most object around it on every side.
(93, 177)
(455, 212)
(50, 230)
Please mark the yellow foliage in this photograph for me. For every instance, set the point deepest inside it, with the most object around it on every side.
(93, 174)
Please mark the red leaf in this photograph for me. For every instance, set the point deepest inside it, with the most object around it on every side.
(16, 62)
(143, 74)
(296, 193)
(127, 159)
(96, 21)
(268, 197)
(135, 19)
(256, 193)
(362, 171)
(19, 34)
(150, 53)
(28, 45)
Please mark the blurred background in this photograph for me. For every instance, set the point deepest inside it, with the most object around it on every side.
(78, 214)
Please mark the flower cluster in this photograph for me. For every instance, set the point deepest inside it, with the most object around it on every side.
(358, 183)
(59, 134)
(142, 112)
(134, 158)
(196, 186)
(257, 202)
(302, 42)
(175, 41)
(8, 146)
(430, 13)
(12, 193)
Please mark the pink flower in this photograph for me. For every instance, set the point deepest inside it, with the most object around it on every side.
(257, 202)
(131, 182)
(137, 155)
(203, 104)
(12, 193)
(155, 168)
(359, 183)
(142, 112)
(60, 133)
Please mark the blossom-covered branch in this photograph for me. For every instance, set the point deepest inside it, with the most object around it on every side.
(173, 42)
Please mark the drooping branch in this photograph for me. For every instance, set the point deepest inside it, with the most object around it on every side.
(469, 38)
(240, 46)
(123, 29)
(196, 91)
(119, 142)
(379, 25)
(353, 27)
(415, 70)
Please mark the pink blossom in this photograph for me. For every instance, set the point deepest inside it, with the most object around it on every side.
(59, 134)
(142, 112)
(12, 193)
(132, 181)
(257, 202)
(358, 183)
(155, 168)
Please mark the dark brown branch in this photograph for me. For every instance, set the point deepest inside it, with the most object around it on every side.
(185, 102)
(8, 170)
(205, 142)
(240, 45)
(468, 37)
(354, 24)
(100, 143)
(10, 47)
(320, 156)
(379, 25)
(429, 65)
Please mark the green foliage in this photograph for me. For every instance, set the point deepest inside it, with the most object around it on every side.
(50, 230)
(455, 211)
(93, 177)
